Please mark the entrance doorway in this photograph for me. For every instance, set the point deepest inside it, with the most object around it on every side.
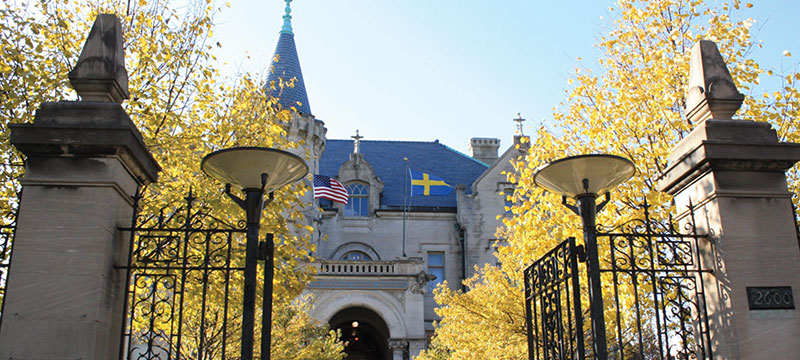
(365, 333)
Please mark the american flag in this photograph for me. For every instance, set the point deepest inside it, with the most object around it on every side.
(325, 187)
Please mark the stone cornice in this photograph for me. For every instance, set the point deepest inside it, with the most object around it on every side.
(86, 129)
(723, 146)
(710, 156)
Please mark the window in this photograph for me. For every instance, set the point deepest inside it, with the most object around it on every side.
(325, 204)
(356, 256)
(358, 204)
(509, 202)
(436, 267)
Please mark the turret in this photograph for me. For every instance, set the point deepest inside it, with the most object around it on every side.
(285, 83)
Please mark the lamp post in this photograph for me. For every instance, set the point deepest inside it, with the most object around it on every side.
(583, 178)
(256, 171)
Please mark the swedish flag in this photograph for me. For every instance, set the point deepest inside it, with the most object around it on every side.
(426, 184)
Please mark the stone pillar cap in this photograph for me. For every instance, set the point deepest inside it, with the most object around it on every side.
(100, 74)
(86, 129)
(711, 92)
(727, 145)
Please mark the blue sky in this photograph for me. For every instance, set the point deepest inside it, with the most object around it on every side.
(445, 69)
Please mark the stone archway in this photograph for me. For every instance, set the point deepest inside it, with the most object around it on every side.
(328, 303)
(364, 331)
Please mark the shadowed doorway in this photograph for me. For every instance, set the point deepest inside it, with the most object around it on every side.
(365, 333)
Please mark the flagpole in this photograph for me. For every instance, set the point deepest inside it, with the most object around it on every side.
(405, 204)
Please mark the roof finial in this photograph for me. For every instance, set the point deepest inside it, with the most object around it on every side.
(357, 143)
(287, 19)
(519, 121)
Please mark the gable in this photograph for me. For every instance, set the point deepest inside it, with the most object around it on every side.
(494, 173)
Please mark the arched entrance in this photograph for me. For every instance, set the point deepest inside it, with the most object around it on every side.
(365, 332)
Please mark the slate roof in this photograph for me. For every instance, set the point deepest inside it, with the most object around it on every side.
(288, 67)
(386, 158)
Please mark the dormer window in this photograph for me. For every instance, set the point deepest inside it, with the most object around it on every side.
(358, 204)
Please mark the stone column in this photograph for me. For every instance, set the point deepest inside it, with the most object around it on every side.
(415, 346)
(398, 348)
(84, 162)
(732, 172)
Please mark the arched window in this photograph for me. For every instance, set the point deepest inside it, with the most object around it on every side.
(356, 256)
(358, 204)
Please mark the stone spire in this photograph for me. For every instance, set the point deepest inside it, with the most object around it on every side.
(712, 93)
(100, 74)
(286, 66)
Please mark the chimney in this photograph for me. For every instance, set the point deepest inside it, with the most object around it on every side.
(484, 149)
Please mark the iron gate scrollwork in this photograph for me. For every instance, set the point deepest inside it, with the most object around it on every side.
(553, 305)
(184, 294)
(8, 225)
(658, 283)
(653, 279)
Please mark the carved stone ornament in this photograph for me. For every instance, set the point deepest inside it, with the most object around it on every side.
(396, 344)
(100, 74)
(711, 92)
(422, 280)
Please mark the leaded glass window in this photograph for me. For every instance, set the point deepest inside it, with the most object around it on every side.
(358, 204)
(356, 256)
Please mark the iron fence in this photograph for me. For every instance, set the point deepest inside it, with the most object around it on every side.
(8, 226)
(653, 280)
(553, 304)
(657, 287)
(185, 273)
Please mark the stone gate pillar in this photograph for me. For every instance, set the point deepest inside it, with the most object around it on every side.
(733, 172)
(84, 162)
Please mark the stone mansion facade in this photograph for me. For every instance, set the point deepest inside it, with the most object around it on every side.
(377, 264)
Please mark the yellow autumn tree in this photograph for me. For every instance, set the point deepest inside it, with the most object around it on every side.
(631, 105)
(184, 109)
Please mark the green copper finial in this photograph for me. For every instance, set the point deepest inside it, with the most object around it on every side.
(287, 19)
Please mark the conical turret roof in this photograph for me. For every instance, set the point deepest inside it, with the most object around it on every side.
(286, 66)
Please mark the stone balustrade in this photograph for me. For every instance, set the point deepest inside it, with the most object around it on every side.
(368, 268)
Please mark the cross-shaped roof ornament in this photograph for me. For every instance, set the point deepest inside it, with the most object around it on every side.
(519, 121)
(357, 143)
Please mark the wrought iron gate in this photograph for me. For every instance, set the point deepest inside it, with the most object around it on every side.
(553, 304)
(8, 225)
(654, 295)
(185, 273)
